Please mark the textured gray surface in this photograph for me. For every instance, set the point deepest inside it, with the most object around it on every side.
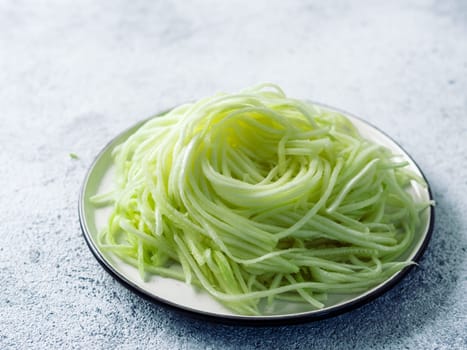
(75, 73)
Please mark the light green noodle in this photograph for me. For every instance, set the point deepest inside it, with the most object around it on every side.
(259, 196)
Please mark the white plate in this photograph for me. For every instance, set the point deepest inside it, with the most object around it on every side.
(196, 302)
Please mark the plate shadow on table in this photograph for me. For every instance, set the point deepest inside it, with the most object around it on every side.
(416, 301)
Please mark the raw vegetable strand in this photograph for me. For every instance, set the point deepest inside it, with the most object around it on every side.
(256, 196)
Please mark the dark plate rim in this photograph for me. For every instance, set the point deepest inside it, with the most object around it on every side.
(241, 320)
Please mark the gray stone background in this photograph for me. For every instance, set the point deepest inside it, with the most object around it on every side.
(73, 74)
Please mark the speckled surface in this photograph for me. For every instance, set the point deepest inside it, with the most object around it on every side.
(75, 73)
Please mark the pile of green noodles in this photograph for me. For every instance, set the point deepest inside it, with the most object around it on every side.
(256, 197)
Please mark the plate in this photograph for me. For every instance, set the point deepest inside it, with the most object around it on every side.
(195, 302)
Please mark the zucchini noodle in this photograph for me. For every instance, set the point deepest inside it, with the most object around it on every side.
(256, 197)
